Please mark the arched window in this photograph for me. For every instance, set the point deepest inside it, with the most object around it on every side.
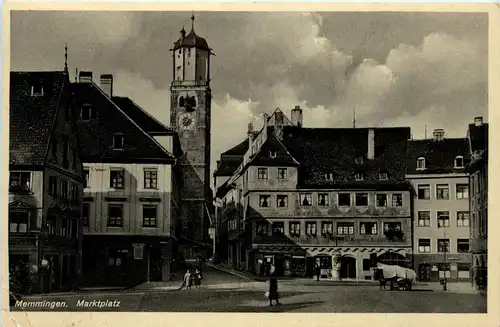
(181, 102)
(421, 163)
(392, 258)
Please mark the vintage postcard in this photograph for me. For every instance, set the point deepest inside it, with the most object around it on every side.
(247, 159)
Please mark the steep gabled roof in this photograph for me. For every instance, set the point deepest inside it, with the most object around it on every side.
(240, 149)
(273, 153)
(439, 155)
(325, 152)
(142, 118)
(107, 120)
(32, 117)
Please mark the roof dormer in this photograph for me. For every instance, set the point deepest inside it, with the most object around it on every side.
(421, 163)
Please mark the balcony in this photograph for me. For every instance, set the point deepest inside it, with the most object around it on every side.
(190, 83)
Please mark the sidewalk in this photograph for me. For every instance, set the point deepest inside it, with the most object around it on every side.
(454, 287)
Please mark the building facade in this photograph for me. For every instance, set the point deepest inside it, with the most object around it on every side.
(45, 186)
(436, 169)
(131, 197)
(478, 178)
(190, 117)
(334, 198)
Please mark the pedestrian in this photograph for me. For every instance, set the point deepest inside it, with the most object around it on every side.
(273, 291)
(187, 280)
(317, 272)
(197, 278)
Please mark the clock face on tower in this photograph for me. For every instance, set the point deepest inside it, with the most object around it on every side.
(187, 121)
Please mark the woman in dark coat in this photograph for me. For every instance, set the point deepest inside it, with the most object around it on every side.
(273, 290)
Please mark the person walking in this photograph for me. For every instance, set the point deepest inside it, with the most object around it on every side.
(317, 272)
(273, 291)
(197, 278)
(187, 280)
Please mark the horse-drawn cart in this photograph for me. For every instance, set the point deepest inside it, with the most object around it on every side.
(399, 278)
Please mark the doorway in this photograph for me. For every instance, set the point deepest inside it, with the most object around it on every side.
(279, 262)
(347, 267)
(424, 272)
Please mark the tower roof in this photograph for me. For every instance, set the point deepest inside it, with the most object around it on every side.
(191, 40)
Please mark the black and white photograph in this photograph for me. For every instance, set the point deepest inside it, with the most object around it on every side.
(248, 161)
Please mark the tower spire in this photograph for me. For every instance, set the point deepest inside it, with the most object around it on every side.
(66, 58)
(192, 21)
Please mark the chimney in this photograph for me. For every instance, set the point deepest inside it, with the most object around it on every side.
(250, 135)
(85, 77)
(297, 116)
(107, 84)
(438, 134)
(478, 121)
(371, 144)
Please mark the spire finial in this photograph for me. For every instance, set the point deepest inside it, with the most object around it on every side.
(192, 21)
(66, 58)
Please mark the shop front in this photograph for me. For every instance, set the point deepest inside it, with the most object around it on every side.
(433, 268)
(285, 261)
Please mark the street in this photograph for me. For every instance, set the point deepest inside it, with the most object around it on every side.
(222, 292)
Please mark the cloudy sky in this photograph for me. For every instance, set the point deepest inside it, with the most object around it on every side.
(395, 69)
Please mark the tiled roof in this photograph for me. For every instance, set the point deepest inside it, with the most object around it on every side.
(107, 120)
(240, 149)
(191, 41)
(439, 155)
(32, 118)
(273, 153)
(147, 122)
(478, 136)
(227, 166)
(324, 151)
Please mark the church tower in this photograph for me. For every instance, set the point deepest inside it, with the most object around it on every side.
(190, 110)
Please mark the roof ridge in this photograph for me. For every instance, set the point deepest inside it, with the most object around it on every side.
(133, 122)
(147, 113)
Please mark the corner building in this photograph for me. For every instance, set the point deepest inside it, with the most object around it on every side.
(319, 196)
(436, 169)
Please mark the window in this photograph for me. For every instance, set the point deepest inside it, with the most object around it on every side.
(463, 219)
(85, 214)
(73, 195)
(149, 215)
(443, 245)
(51, 225)
(115, 215)
(421, 163)
(381, 200)
(282, 201)
(383, 176)
(86, 112)
(279, 118)
(462, 191)
(368, 228)
(424, 245)
(345, 228)
(442, 268)
(18, 221)
(272, 154)
(64, 190)
(278, 228)
(329, 177)
(261, 228)
(459, 162)
(262, 173)
(344, 199)
(305, 199)
(294, 228)
(53, 186)
(424, 192)
(326, 228)
(397, 200)
(361, 199)
(310, 228)
(282, 173)
(442, 192)
(359, 160)
(359, 176)
(116, 178)
(264, 201)
(395, 226)
(150, 178)
(323, 199)
(443, 218)
(86, 172)
(463, 270)
(472, 188)
(118, 141)
(20, 181)
(37, 90)
(463, 245)
(424, 219)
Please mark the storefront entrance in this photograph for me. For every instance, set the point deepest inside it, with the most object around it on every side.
(347, 267)
(424, 272)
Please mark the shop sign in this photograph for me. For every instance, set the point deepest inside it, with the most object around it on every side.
(138, 251)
